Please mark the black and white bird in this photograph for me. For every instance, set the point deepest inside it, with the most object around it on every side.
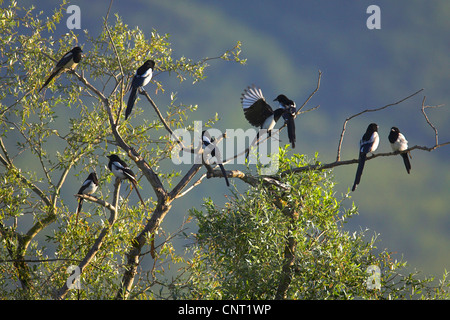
(260, 114)
(68, 62)
(368, 143)
(141, 78)
(399, 143)
(121, 170)
(288, 116)
(210, 147)
(89, 186)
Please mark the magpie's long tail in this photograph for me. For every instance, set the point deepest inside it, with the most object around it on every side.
(406, 162)
(252, 144)
(80, 204)
(291, 131)
(54, 74)
(224, 174)
(131, 101)
(137, 191)
(359, 171)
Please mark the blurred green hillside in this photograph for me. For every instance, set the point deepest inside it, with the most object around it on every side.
(286, 43)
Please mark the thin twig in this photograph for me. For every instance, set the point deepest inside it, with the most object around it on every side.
(353, 161)
(311, 95)
(121, 71)
(436, 136)
(160, 116)
(338, 157)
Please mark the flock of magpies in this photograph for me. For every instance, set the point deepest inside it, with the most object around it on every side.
(256, 110)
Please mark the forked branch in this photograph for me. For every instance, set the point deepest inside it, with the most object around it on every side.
(344, 126)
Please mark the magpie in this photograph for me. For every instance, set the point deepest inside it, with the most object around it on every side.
(368, 143)
(207, 140)
(399, 143)
(141, 78)
(121, 170)
(288, 116)
(89, 186)
(260, 114)
(68, 62)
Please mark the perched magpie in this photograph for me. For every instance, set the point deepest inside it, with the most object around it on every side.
(121, 170)
(141, 78)
(68, 62)
(369, 143)
(288, 116)
(206, 139)
(89, 186)
(399, 143)
(260, 114)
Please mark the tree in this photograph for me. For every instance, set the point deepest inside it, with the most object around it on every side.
(36, 126)
(51, 140)
(271, 243)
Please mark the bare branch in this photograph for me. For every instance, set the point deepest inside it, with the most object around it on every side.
(196, 183)
(121, 69)
(101, 202)
(338, 157)
(353, 161)
(160, 116)
(436, 136)
(184, 181)
(249, 179)
(311, 95)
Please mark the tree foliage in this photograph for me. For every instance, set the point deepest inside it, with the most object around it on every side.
(66, 131)
(269, 242)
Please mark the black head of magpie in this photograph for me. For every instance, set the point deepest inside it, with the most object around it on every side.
(121, 170)
(89, 186)
(68, 62)
(208, 141)
(368, 143)
(141, 78)
(399, 143)
(288, 115)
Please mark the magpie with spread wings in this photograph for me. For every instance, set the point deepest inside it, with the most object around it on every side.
(260, 114)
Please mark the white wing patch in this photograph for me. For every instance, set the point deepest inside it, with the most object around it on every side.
(401, 144)
(375, 139)
(250, 96)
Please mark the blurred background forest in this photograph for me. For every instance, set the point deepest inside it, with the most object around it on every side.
(286, 43)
